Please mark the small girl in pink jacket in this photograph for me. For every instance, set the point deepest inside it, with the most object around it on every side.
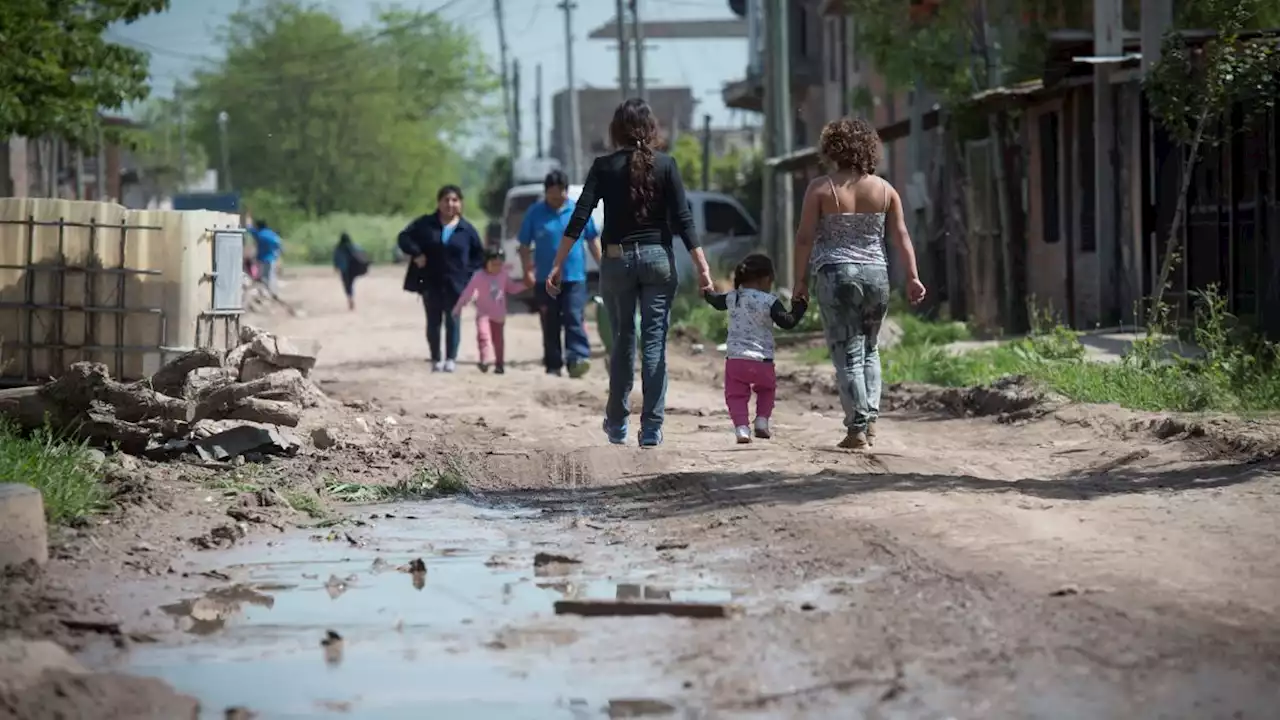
(490, 286)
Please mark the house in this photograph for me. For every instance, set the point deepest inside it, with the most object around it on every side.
(673, 107)
(51, 167)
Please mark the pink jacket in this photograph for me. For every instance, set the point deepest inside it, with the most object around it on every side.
(490, 293)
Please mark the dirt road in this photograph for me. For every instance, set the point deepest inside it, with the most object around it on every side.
(1070, 566)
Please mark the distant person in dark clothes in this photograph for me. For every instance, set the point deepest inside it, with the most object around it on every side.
(351, 262)
(644, 208)
(445, 251)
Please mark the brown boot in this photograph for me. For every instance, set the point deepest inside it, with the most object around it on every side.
(854, 440)
(871, 433)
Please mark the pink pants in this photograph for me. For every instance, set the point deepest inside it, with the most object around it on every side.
(489, 338)
(740, 378)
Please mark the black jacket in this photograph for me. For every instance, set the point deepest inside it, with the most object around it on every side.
(610, 181)
(449, 266)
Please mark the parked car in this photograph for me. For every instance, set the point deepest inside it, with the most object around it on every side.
(728, 233)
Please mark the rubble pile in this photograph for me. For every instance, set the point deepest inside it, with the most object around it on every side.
(217, 404)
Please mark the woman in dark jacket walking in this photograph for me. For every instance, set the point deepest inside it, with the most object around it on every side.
(445, 251)
(645, 207)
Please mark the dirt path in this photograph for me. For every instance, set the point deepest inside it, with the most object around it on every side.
(1073, 566)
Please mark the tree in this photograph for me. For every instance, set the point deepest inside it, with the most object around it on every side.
(687, 152)
(57, 72)
(1191, 90)
(496, 184)
(165, 165)
(332, 119)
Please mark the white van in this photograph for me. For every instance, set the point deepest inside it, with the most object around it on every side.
(727, 231)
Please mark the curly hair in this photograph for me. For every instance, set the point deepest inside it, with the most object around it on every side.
(753, 267)
(851, 144)
(634, 126)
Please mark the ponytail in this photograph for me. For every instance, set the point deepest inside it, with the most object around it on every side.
(643, 179)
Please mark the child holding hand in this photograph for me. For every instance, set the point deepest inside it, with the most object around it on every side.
(753, 311)
(490, 287)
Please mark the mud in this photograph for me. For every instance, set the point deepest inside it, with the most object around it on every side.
(1080, 562)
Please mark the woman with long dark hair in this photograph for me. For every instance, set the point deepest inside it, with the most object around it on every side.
(645, 207)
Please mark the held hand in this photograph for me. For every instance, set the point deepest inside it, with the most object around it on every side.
(801, 292)
(420, 261)
(528, 279)
(915, 291)
(705, 283)
(553, 282)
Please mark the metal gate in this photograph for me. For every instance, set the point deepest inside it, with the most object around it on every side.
(227, 281)
(42, 321)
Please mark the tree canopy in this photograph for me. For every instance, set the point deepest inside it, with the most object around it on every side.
(58, 72)
(324, 118)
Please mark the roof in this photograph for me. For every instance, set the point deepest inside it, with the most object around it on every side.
(1019, 94)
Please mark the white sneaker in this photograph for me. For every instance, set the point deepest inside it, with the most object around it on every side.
(437, 366)
(762, 428)
(743, 433)
(450, 365)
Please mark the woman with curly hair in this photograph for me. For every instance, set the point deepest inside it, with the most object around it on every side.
(644, 207)
(841, 240)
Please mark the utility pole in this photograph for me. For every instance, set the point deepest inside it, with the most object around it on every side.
(769, 139)
(706, 152)
(223, 119)
(624, 51)
(512, 140)
(784, 115)
(575, 122)
(637, 35)
(515, 106)
(537, 108)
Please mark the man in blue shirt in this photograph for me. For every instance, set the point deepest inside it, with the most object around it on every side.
(564, 332)
(269, 247)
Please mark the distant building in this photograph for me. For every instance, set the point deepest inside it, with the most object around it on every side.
(673, 106)
(743, 140)
(51, 167)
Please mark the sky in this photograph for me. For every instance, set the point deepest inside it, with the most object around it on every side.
(182, 37)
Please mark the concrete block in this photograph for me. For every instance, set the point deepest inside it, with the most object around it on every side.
(23, 533)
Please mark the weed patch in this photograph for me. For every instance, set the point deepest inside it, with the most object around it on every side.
(62, 470)
(424, 484)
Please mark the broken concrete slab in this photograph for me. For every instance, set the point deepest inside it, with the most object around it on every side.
(255, 368)
(632, 608)
(24, 536)
(244, 439)
(297, 353)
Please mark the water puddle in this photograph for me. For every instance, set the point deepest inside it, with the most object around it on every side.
(431, 610)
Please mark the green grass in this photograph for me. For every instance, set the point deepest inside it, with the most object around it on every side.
(1236, 374)
(62, 470)
(427, 483)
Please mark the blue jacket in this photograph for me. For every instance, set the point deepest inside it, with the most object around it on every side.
(449, 265)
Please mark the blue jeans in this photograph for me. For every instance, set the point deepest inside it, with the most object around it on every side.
(564, 330)
(439, 306)
(643, 275)
(854, 299)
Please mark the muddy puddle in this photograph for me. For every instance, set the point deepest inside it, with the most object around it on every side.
(438, 609)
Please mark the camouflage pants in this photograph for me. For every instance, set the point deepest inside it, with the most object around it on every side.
(854, 299)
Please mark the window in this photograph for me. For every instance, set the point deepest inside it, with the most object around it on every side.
(725, 219)
(1050, 228)
(517, 205)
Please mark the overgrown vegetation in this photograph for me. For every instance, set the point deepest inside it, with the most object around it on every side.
(62, 470)
(1233, 372)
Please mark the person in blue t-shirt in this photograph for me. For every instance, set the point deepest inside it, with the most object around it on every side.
(564, 332)
(269, 247)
